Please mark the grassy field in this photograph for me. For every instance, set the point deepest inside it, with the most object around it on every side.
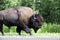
(46, 28)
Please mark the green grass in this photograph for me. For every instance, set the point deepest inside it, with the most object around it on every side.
(6, 29)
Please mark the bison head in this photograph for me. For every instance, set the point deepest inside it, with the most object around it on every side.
(36, 21)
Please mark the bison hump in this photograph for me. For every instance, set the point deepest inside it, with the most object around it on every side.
(25, 13)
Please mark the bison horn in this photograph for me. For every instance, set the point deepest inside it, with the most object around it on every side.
(34, 16)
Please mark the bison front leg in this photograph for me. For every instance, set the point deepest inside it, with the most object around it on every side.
(27, 30)
(18, 30)
(24, 27)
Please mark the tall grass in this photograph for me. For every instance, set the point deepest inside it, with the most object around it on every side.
(50, 28)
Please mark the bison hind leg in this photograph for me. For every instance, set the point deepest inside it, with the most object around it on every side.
(1, 28)
(2, 32)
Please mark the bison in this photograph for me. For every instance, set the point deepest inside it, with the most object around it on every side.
(22, 17)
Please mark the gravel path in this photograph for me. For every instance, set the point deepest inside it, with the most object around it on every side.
(42, 36)
(28, 38)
